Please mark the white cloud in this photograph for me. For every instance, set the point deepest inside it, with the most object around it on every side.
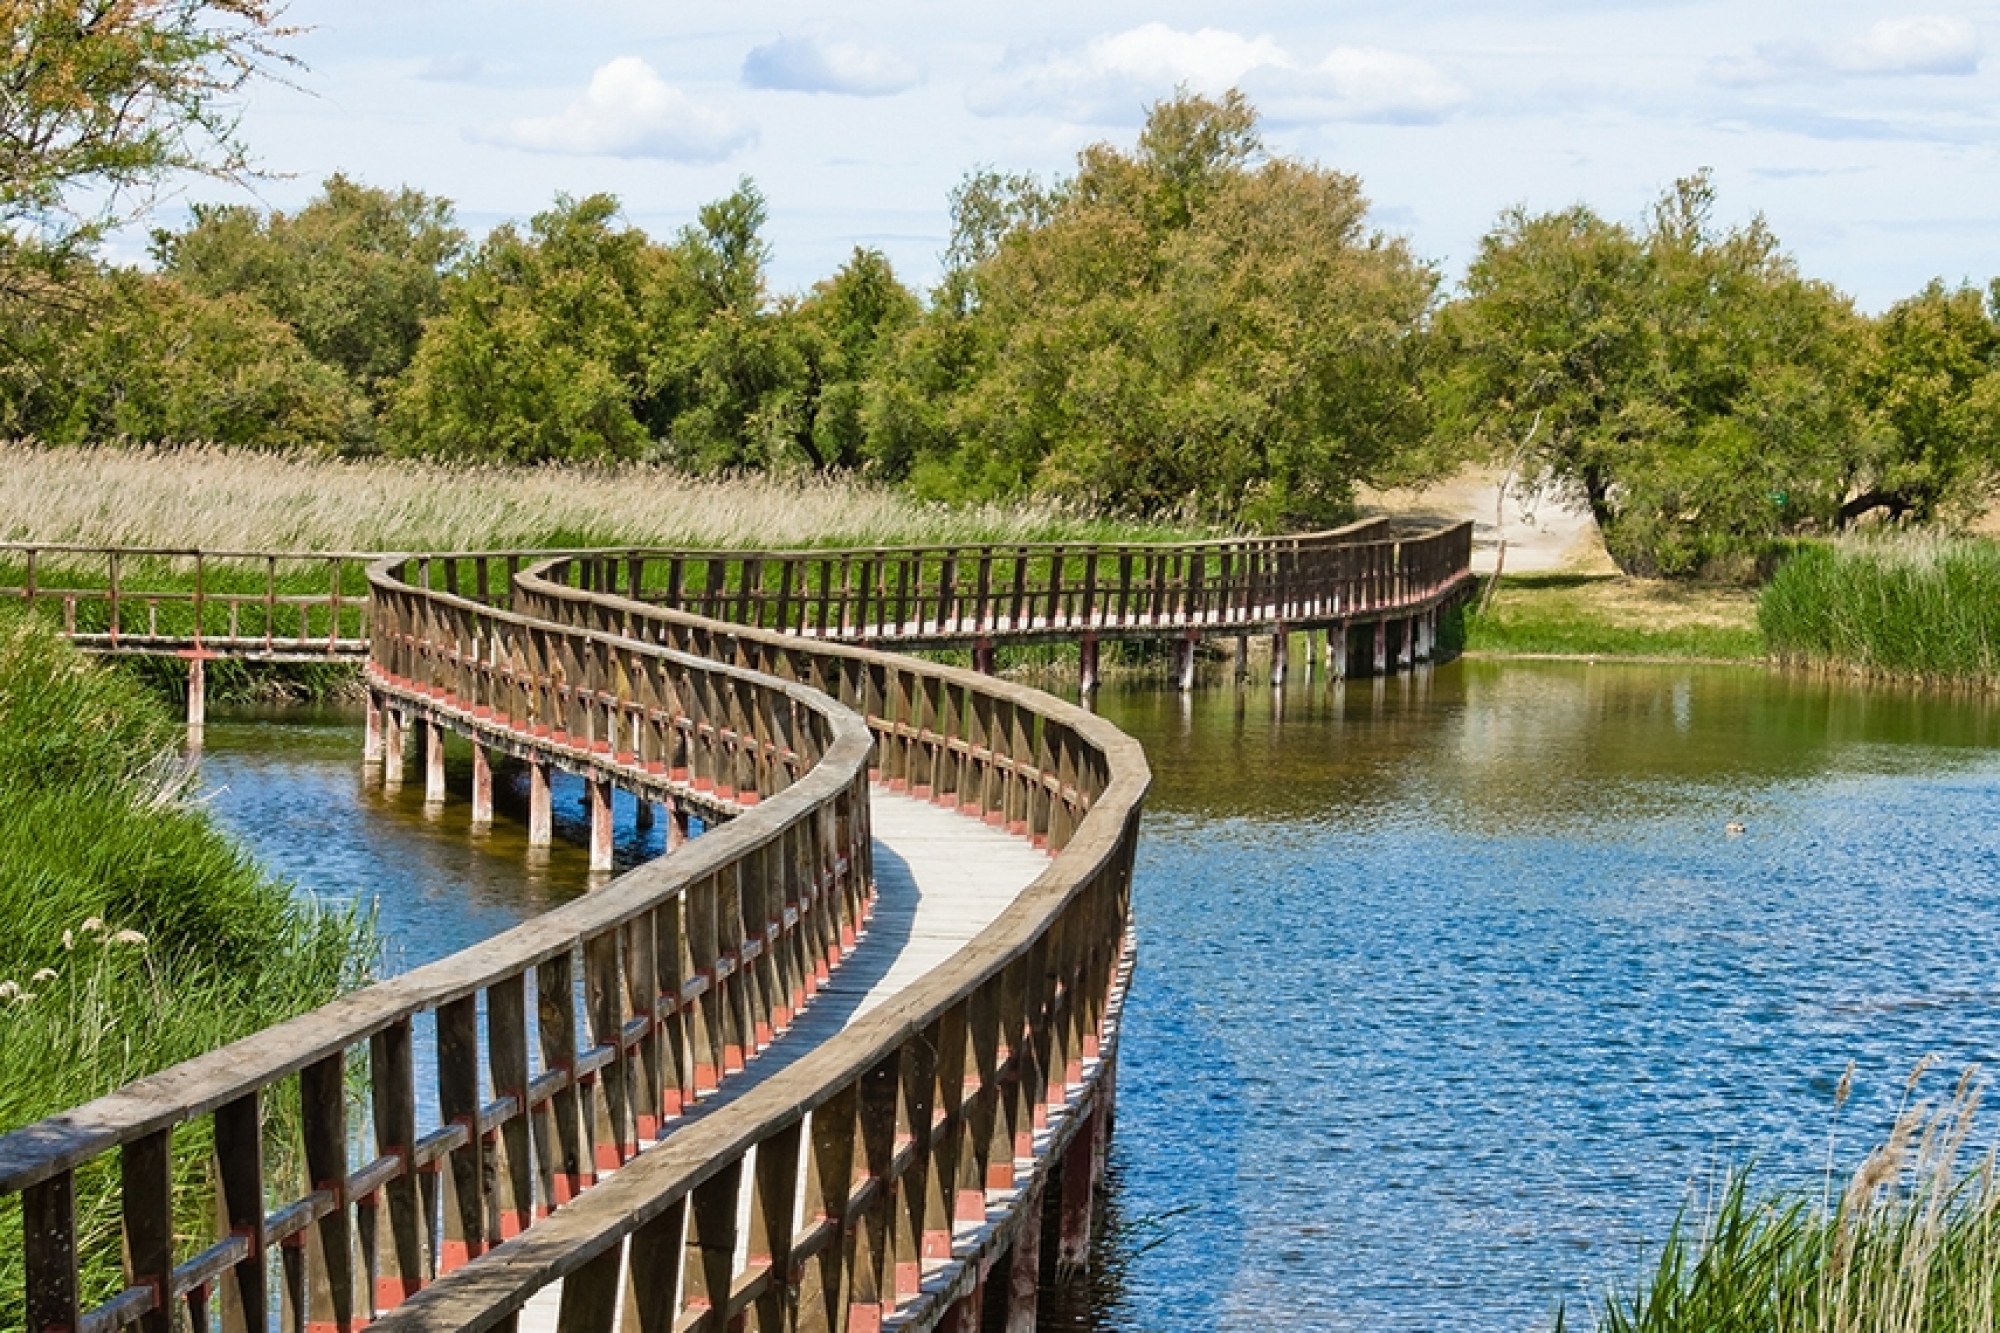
(1925, 44)
(817, 64)
(630, 111)
(1113, 77)
(1369, 84)
(1920, 44)
(1212, 60)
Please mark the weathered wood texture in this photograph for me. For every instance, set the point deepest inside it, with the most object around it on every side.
(883, 1175)
(257, 605)
(551, 1093)
(269, 606)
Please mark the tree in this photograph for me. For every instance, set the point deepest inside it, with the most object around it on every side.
(144, 359)
(1933, 383)
(1686, 382)
(355, 272)
(541, 352)
(1191, 325)
(101, 100)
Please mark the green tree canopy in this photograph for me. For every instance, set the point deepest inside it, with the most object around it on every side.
(104, 99)
(1191, 325)
(1685, 381)
(542, 351)
(355, 272)
(1933, 384)
(144, 359)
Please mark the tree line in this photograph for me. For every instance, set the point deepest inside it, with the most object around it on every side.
(1191, 325)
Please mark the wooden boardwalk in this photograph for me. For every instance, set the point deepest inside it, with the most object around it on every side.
(817, 1071)
(940, 879)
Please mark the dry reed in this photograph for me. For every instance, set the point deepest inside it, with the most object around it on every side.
(220, 499)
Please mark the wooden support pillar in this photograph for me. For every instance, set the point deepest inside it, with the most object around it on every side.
(541, 827)
(677, 825)
(1024, 1267)
(433, 762)
(371, 738)
(1242, 658)
(197, 710)
(600, 824)
(1382, 647)
(1184, 663)
(1281, 650)
(982, 655)
(642, 817)
(1336, 650)
(1406, 644)
(1088, 649)
(963, 1316)
(1427, 635)
(393, 733)
(482, 786)
(1079, 1180)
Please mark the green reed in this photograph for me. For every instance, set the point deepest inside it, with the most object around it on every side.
(1910, 1244)
(137, 934)
(1922, 607)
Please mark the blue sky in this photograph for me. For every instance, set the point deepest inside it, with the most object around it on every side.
(1865, 132)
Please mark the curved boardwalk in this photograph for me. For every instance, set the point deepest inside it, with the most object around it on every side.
(939, 881)
(820, 1068)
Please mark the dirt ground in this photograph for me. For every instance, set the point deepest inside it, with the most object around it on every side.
(1557, 545)
(1543, 534)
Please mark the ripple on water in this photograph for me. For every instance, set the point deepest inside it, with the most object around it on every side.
(1449, 989)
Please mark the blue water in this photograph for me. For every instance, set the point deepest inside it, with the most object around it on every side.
(1451, 989)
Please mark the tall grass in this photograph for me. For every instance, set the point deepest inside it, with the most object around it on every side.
(1910, 1245)
(221, 499)
(136, 934)
(1924, 607)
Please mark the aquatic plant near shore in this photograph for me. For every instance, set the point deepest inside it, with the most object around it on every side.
(1911, 1245)
(137, 934)
(1916, 606)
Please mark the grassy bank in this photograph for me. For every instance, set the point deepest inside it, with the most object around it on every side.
(1608, 615)
(1920, 607)
(1909, 1244)
(222, 499)
(137, 934)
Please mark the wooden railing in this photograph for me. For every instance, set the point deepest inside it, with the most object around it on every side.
(677, 968)
(937, 596)
(876, 1175)
(906, 1129)
(277, 607)
(252, 604)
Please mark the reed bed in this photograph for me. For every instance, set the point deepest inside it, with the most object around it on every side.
(1924, 607)
(137, 935)
(220, 499)
(1910, 1243)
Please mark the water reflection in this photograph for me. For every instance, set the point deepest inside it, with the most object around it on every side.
(1452, 984)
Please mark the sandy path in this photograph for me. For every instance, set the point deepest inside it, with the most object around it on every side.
(1542, 533)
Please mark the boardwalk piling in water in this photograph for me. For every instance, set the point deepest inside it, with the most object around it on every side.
(482, 785)
(938, 1127)
(541, 828)
(433, 762)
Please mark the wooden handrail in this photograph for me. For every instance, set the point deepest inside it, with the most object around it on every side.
(743, 682)
(755, 909)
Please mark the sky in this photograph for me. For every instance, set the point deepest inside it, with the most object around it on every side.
(1867, 134)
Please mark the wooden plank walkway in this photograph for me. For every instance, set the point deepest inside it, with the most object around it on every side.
(940, 879)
